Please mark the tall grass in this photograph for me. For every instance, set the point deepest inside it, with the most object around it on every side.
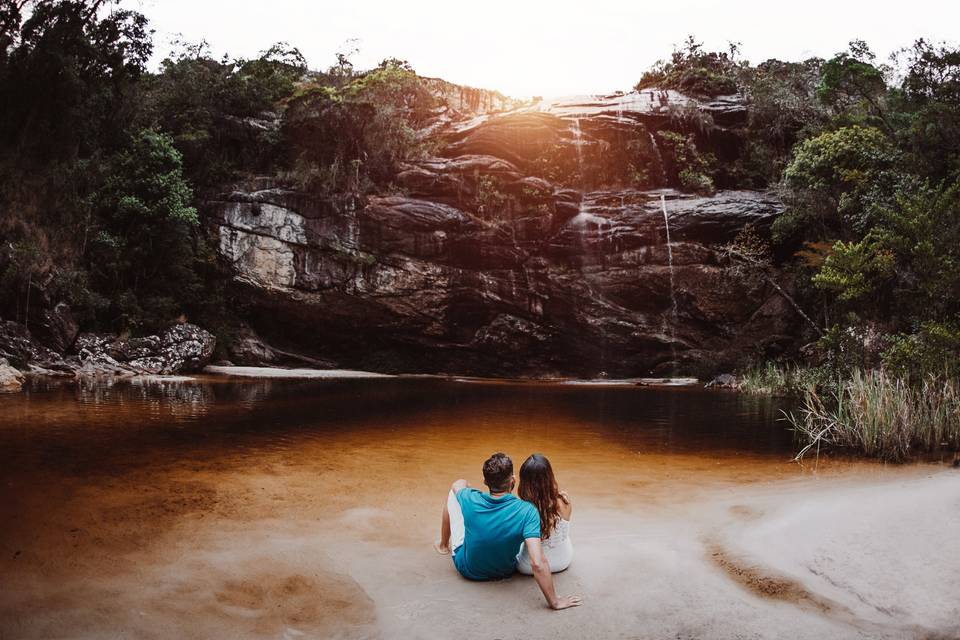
(771, 379)
(882, 416)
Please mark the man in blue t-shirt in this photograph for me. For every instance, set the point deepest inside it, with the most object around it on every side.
(485, 531)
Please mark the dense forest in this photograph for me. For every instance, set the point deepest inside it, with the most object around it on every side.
(104, 164)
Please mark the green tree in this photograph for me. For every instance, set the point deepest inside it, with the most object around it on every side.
(695, 71)
(854, 88)
(833, 183)
(782, 109)
(67, 77)
(223, 115)
(929, 105)
(353, 137)
(904, 274)
(142, 255)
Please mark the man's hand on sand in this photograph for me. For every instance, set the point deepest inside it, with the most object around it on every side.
(566, 602)
(440, 548)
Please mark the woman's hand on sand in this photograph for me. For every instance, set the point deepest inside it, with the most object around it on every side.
(441, 549)
(566, 602)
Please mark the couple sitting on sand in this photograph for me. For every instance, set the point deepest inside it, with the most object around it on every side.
(493, 534)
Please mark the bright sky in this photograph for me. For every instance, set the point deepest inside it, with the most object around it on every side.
(544, 47)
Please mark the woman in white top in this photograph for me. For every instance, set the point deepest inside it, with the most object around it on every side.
(538, 486)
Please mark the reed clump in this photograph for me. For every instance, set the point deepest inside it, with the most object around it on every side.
(880, 415)
(772, 379)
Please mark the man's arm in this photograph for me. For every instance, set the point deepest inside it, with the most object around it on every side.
(541, 573)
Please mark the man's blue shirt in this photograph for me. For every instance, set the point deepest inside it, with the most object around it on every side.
(494, 530)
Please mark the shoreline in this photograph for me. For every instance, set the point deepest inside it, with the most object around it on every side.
(280, 373)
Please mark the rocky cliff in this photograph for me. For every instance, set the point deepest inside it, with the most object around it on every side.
(533, 243)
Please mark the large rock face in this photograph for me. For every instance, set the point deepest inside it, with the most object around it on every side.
(523, 248)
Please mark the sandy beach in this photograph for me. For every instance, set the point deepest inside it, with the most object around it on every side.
(293, 373)
(839, 557)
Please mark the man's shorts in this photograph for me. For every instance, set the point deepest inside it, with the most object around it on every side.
(457, 529)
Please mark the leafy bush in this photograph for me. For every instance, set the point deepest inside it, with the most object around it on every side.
(855, 270)
(691, 180)
(693, 169)
(354, 136)
(751, 245)
(935, 348)
(853, 344)
(491, 200)
(693, 71)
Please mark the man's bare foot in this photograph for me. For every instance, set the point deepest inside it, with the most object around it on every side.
(442, 549)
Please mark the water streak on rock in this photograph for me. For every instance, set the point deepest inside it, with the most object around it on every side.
(674, 313)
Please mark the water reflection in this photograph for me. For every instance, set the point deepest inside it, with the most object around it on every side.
(96, 424)
(183, 398)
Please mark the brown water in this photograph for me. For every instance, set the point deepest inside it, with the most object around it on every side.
(105, 427)
(151, 508)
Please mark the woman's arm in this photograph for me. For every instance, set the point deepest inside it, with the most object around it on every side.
(565, 506)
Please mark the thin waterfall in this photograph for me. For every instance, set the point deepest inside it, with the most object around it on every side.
(578, 143)
(584, 217)
(582, 220)
(581, 216)
(656, 149)
(352, 239)
(673, 296)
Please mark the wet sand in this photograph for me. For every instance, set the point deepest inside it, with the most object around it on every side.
(275, 372)
(239, 511)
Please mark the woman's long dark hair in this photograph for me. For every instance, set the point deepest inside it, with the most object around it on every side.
(539, 487)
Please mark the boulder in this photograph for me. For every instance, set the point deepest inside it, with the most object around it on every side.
(57, 328)
(10, 379)
(181, 348)
(723, 381)
(247, 349)
(186, 347)
(21, 349)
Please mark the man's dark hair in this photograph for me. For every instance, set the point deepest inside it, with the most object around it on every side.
(497, 472)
